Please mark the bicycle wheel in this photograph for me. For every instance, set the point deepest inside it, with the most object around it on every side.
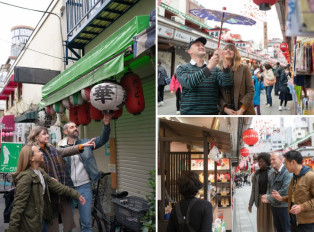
(96, 224)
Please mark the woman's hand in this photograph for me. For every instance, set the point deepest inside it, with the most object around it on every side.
(171, 92)
(240, 111)
(250, 208)
(82, 200)
(90, 143)
(229, 111)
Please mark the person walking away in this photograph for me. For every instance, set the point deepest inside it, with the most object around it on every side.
(196, 213)
(54, 167)
(237, 99)
(259, 187)
(279, 181)
(176, 88)
(32, 198)
(200, 81)
(162, 76)
(277, 72)
(300, 196)
(82, 168)
(269, 82)
(258, 86)
(285, 94)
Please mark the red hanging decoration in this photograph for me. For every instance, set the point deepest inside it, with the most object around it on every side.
(284, 47)
(265, 4)
(117, 114)
(250, 137)
(86, 93)
(50, 110)
(135, 102)
(74, 115)
(244, 152)
(83, 114)
(95, 114)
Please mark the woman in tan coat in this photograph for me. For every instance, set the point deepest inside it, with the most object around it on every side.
(237, 100)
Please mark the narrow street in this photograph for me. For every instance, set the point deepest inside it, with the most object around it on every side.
(243, 221)
(169, 107)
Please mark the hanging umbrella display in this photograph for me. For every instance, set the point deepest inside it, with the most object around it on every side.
(223, 17)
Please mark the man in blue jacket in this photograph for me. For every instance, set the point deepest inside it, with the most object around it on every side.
(279, 181)
(82, 168)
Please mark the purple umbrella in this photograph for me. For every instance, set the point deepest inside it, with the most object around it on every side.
(222, 16)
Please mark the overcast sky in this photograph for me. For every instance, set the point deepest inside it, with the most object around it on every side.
(10, 17)
(249, 9)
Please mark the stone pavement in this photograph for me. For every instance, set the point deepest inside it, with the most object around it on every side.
(169, 107)
(243, 221)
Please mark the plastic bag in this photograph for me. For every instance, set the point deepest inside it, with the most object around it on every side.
(214, 153)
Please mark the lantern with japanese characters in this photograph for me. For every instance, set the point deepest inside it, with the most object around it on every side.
(265, 4)
(284, 47)
(86, 93)
(244, 152)
(135, 102)
(83, 114)
(50, 110)
(76, 99)
(250, 137)
(74, 115)
(117, 114)
(95, 114)
(58, 107)
(108, 97)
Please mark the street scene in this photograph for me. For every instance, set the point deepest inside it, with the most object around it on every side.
(77, 115)
(229, 179)
(270, 58)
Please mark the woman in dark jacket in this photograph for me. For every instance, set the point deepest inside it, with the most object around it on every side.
(259, 188)
(32, 198)
(201, 213)
(285, 94)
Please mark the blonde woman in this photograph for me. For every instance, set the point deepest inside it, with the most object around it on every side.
(237, 100)
(54, 166)
(32, 198)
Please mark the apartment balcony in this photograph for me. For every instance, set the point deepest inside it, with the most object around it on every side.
(88, 18)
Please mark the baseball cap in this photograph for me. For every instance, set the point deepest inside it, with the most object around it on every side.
(199, 39)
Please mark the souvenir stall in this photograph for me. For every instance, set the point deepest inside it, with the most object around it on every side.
(214, 169)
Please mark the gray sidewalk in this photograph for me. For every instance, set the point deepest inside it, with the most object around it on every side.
(169, 107)
(243, 221)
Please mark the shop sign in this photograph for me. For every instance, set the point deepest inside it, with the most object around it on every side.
(165, 31)
(9, 156)
(183, 37)
(211, 45)
(265, 35)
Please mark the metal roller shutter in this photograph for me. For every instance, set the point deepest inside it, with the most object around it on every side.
(135, 144)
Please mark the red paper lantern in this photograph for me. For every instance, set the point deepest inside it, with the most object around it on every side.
(117, 114)
(250, 137)
(244, 152)
(135, 102)
(95, 114)
(83, 114)
(50, 110)
(265, 4)
(86, 93)
(74, 115)
(284, 47)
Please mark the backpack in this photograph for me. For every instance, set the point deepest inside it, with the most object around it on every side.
(184, 221)
(9, 199)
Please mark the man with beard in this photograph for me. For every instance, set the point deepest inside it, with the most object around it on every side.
(82, 168)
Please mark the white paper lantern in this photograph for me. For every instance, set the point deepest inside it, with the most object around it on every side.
(66, 103)
(76, 99)
(108, 96)
(58, 107)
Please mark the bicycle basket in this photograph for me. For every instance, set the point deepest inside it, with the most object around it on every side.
(129, 210)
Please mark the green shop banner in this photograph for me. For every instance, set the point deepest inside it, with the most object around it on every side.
(9, 156)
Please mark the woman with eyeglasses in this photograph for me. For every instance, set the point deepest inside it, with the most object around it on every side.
(259, 188)
(237, 100)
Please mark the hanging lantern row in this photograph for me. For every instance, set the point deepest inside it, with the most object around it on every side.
(107, 97)
(244, 152)
(7, 134)
(250, 137)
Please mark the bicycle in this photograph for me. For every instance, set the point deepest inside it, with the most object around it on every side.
(102, 222)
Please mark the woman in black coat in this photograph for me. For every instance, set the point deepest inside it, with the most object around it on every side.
(285, 94)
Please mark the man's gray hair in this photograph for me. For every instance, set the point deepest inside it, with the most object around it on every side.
(279, 155)
(65, 127)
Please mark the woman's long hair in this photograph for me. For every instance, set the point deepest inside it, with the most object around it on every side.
(24, 160)
(31, 139)
(237, 57)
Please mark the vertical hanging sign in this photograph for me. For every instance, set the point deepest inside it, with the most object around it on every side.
(265, 35)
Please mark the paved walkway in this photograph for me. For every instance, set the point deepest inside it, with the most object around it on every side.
(169, 107)
(243, 220)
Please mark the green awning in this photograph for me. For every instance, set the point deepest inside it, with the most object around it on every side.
(114, 44)
(300, 141)
(109, 69)
(27, 117)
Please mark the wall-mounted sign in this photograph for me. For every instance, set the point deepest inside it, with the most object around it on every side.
(166, 32)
